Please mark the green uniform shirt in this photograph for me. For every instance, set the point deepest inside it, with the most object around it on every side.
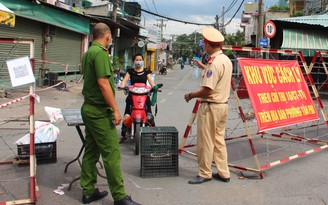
(96, 64)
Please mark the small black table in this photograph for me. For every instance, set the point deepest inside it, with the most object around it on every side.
(73, 118)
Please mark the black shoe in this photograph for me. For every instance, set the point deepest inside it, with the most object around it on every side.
(218, 177)
(199, 180)
(97, 195)
(126, 201)
(123, 139)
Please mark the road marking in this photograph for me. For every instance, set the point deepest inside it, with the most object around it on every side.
(163, 101)
(170, 93)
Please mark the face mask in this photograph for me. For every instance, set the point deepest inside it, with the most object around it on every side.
(138, 63)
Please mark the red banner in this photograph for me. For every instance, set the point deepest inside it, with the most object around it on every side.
(278, 92)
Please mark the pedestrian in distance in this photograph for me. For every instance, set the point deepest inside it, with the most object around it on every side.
(101, 115)
(181, 63)
(213, 110)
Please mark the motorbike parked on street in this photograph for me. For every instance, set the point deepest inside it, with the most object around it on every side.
(139, 116)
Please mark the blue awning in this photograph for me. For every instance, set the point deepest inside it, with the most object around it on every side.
(307, 41)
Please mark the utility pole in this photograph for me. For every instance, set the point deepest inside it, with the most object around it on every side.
(216, 22)
(161, 25)
(116, 32)
(260, 23)
(195, 37)
(115, 3)
(222, 28)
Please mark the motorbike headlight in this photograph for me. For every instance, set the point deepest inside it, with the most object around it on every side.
(139, 90)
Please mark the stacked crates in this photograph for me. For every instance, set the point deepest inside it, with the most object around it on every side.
(159, 152)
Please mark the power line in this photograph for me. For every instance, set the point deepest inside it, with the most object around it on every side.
(235, 13)
(154, 7)
(148, 9)
(233, 3)
(177, 20)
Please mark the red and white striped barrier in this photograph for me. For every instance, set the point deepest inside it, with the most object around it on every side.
(261, 168)
(21, 201)
(32, 96)
(265, 50)
(302, 154)
(19, 99)
(188, 128)
(314, 89)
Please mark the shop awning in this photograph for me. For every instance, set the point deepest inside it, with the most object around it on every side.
(49, 14)
(7, 17)
(307, 41)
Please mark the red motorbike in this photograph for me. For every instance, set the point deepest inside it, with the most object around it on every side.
(139, 116)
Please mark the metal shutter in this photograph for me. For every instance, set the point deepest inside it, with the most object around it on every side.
(24, 28)
(64, 49)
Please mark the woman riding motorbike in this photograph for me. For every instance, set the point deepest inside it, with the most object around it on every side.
(138, 74)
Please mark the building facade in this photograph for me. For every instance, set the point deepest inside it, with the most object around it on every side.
(249, 22)
(296, 7)
(59, 37)
(315, 7)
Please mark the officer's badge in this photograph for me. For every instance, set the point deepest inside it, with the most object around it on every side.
(209, 73)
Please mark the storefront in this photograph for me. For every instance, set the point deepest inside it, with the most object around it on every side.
(59, 37)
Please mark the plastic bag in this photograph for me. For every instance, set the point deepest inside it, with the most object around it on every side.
(44, 132)
(54, 114)
(153, 77)
(196, 72)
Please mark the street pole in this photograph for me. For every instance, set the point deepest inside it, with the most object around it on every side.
(217, 22)
(160, 25)
(115, 3)
(114, 10)
(260, 23)
(222, 28)
(195, 37)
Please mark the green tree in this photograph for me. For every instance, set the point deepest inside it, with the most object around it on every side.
(278, 8)
(186, 46)
(236, 39)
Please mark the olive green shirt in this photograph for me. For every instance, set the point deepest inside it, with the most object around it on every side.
(96, 64)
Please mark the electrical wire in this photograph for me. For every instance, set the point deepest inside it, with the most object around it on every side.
(233, 3)
(148, 9)
(168, 18)
(235, 13)
(177, 20)
(155, 6)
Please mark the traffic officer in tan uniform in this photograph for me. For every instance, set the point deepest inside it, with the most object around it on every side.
(213, 111)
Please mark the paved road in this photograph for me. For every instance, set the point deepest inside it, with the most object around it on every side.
(303, 181)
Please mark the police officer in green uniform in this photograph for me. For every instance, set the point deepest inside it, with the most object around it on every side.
(100, 114)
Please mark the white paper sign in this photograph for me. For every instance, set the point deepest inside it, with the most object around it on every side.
(20, 71)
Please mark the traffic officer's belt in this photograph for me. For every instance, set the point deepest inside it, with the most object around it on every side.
(213, 102)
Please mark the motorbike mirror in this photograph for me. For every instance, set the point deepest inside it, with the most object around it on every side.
(160, 85)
